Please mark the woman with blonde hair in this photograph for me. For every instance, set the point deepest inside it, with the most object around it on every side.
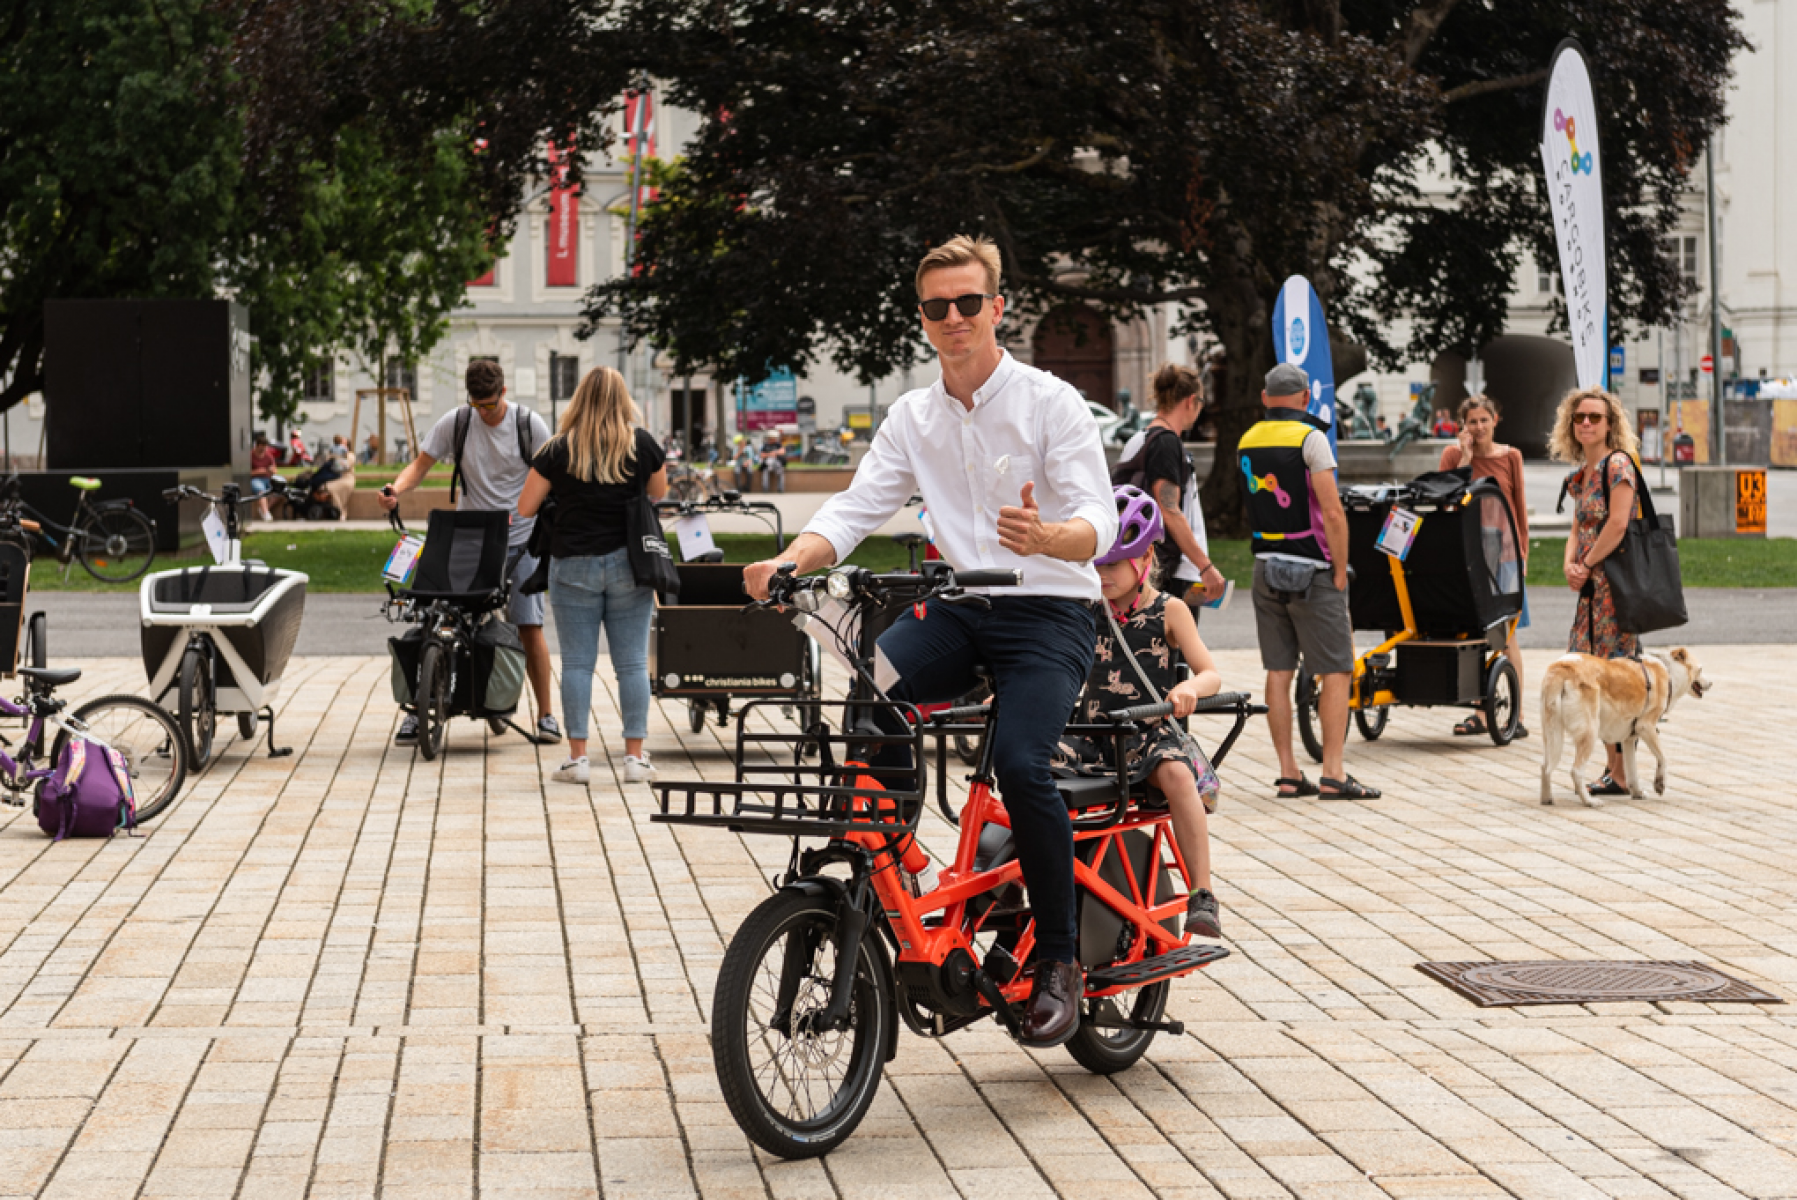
(598, 459)
(1592, 432)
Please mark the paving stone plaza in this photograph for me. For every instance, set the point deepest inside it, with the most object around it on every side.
(353, 973)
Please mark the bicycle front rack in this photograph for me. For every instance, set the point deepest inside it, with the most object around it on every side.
(813, 793)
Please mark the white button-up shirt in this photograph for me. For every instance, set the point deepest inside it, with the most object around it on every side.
(1025, 426)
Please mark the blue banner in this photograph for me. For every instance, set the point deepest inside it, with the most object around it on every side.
(1301, 337)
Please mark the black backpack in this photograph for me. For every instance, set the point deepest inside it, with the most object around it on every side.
(463, 419)
(1134, 471)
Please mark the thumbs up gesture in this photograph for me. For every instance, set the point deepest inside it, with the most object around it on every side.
(1020, 528)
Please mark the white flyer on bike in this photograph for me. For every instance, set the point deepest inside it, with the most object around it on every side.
(217, 540)
(694, 534)
(404, 559)
(1399, 533)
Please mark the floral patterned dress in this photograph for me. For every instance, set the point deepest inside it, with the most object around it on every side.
(1113, 684)
(1594, 628)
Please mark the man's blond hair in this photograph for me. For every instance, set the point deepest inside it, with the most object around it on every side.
(958, 251)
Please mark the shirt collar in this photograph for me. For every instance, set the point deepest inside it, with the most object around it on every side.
(995, 383)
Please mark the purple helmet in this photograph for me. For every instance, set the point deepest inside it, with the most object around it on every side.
(1138, 526)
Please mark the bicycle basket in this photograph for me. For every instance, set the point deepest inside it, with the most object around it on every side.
(820, 789)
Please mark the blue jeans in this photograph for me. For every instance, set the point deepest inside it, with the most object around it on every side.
(587, 592)
(1039, 650)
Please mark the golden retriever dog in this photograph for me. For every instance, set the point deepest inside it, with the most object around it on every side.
(1606, 701)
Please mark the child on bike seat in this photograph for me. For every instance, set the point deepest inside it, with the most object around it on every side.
(1155, 626)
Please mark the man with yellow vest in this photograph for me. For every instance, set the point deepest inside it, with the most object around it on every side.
(1300, 576)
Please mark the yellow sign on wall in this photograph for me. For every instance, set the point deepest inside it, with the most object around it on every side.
(1750, 502)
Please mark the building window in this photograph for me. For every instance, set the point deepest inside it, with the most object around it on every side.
(317, 385)
(401, 375)
(1547, 280)
(1683, 249)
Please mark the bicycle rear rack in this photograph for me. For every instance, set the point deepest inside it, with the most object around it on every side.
(801, 798)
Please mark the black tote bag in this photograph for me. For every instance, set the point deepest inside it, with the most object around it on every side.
(1643, 573)
(651, 562)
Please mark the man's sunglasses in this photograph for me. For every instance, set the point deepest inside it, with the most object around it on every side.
(967, 306)
(483, 404)
(1589, 418)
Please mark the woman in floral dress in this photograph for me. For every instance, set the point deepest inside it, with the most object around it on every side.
(1592, 430)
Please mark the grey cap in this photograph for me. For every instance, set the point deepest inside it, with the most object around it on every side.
(1287, 380)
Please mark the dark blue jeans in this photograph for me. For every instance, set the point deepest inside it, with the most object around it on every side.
(1039, 650)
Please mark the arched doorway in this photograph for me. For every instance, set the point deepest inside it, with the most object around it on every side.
(1073, 343)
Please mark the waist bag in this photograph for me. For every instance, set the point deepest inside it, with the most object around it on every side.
(89, 795)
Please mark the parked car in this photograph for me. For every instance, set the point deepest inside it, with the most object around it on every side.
(1107, 420)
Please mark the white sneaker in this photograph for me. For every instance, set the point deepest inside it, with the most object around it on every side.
(638, 770)
(575, 770)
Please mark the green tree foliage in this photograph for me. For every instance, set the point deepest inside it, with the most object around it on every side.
(1197, 151)
(119, 161)
(339, 166)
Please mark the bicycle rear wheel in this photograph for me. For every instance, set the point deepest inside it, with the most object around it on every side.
(198, 705)
(798, 1091)
(115, 544)
(1105, 1051)
(154, 747)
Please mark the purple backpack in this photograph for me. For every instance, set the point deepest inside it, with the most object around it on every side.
(89, 795)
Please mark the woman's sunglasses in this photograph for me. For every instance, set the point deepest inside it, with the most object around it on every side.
(967, 306)
(1589, 418)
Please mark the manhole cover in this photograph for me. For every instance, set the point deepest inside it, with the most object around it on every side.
(1500, 984)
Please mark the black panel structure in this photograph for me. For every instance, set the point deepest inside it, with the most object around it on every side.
(147, 383)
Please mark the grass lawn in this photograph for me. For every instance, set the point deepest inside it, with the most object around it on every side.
(346, 561)
(1704, 562)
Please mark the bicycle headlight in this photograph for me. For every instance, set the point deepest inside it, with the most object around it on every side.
(839, 585)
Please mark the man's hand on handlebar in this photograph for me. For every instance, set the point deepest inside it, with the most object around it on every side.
(756, 576)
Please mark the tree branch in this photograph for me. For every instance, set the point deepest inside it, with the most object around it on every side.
(1078, 291)
(1420, 27)
(1467, 91)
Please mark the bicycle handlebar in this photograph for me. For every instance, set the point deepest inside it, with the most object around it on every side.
(1222, 702)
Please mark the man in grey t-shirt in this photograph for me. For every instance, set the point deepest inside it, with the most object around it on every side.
(494, 465)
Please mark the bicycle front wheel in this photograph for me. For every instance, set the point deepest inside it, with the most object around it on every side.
(796, 1089)
(116, 544)
(153, 746)
(198, 705)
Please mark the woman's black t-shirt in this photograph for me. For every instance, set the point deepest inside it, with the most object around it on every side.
(589, 516)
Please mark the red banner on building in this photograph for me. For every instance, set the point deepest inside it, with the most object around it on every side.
(564, 222)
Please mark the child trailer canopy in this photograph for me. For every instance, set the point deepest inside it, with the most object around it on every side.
(1464, 567)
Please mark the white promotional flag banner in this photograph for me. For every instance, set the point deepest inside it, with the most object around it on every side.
(1574, 168)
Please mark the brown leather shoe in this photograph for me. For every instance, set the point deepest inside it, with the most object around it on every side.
(1052, 1014)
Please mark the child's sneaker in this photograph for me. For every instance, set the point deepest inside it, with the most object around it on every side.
(638, 770)
(1202, 917)
(575, 770)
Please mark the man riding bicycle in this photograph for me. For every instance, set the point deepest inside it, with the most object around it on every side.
(1010, 465)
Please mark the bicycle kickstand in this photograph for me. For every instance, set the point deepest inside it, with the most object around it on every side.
(268, 714)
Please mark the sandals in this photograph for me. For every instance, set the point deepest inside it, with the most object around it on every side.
(1348, 788)
(1300, 787)
(1608, 787)
(1472, 725)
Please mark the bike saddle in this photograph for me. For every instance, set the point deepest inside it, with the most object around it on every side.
(51, 676)
(909, 538)
(84, 483)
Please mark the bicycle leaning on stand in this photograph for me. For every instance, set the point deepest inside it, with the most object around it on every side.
(855, 938)
(111, 539)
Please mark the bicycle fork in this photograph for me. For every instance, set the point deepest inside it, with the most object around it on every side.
(851, 928)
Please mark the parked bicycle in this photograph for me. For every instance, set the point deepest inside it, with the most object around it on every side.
(218, 638)
(858, 937)
(111, 539)
(154, 750)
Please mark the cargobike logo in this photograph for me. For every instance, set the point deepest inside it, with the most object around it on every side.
(1265, 483)
(1297, 337)
(1579, 162)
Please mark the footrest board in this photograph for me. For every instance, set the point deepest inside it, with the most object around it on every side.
(1182, 961)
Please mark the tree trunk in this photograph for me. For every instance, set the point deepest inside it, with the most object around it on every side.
(1242, 323)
